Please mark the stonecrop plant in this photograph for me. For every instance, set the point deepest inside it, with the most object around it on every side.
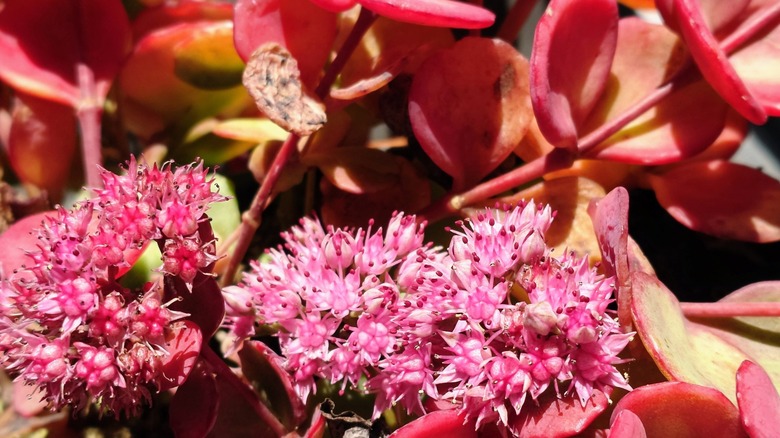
(416, 223)
(488, 324)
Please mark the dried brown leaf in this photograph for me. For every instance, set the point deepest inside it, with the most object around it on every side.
(274, 82)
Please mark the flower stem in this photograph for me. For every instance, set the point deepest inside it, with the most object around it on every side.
(226, 375)
(252, 218)
(722, 309)
(88, 112)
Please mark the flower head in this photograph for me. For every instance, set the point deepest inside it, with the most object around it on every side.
(68, 324)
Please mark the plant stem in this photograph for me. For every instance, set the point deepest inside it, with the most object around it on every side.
(88, 112)
(722, 309)
(557, 159)
(225, 374)
(251, 219)
(515, 19)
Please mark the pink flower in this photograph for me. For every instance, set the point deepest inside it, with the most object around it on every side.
(69, 326)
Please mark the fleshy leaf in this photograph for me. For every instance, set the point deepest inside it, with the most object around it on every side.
(444, 13)
(610, 222)
(206, 59)
(680, 126)
(722, 199)
(469, 107)
(682, 350)
(756, 336)
(412, 193)
(627, 425)
(687, 18)
(258, 130)
(357, 170)
(681, 410)
(42, 143)
(42, 42)
(154, 99)
(569, 71)
(273, 80)
(335, 5)
(169, 14)
(443, 423)
(758, 60)
(758, 401)
(558, 417)
(260, 366)
(194, 407)
(304, 29)
(184, 349)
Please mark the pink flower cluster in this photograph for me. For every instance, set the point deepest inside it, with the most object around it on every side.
(487, 323)
(68, 325)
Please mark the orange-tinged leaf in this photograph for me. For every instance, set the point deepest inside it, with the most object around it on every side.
(445, 13)
(153, 98)
(257, 130)
(42, 143)
(42, 42)
(680, 126)
(470, 106)
(206, 59)
(722, 199)
(169, 14)
(357, 170)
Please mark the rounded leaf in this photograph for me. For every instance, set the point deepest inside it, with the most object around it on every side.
(681, 410)
(206, 59)
(444, 13)
(627, 425)
(469, 106)
(572, 53)
(305, 30)
(194, 407)
(758, 400)
(42, 42)
(722, 199)
(449, 423)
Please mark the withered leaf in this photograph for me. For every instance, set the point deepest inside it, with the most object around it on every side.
(274, 82)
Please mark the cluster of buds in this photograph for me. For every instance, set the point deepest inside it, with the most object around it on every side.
(69, 327)
(487, 323)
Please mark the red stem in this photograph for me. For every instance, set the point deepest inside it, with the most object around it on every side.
(226, 375)
(538, 167)
(722, 309)
(515, 19)
(88, 112)
(251, 219)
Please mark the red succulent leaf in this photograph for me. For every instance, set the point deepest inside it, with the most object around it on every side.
(42, 143)
(627, 425)
(555, 417)
(260, 366)
(194, 407)
(680, 126)
(764, 51)
(238, 413)
(317, 427)
(449, 423)
(443, 13)
(42, 42)
(335, 5)
(681, 409)
(301, 27)
(569, 71)
(183, 351)
(687, 18)
(610, 222)
(28, 400)
(204, 303)
(758, 401)
(469, 107)
(151, 19)
(722, 199)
